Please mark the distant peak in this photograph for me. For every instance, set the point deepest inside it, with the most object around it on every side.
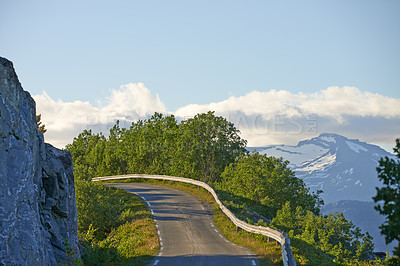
(324, 139)
(329, 137)
(333, 135)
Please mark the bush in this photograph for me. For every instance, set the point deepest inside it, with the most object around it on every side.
(99, 209)
(332, 234)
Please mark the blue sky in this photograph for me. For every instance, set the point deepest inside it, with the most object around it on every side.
(200, 52)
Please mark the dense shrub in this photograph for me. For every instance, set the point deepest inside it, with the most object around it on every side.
(332, 235)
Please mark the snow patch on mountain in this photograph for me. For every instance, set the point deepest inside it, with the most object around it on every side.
(296, 155)
(355, 147)
(328, 139)
(312, 166)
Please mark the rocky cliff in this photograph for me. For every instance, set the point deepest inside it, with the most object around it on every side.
(38, 215)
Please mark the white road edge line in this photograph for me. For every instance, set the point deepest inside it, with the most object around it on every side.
(158, 232)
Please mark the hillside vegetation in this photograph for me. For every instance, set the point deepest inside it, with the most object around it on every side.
(209, 148)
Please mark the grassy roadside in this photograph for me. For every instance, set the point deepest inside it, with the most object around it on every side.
(269, 253)
(133, 240)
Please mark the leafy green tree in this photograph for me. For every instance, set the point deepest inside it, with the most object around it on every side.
(115, 162)
(88, 152)
(206, 145)
(200, 148)
(99, 208)
(267, 181)
(154, 140)
(388, 198)
(331, 234)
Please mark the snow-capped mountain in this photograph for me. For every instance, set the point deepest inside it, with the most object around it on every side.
(344, 169)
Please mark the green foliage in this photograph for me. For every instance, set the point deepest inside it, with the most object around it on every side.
(88, 152)
(388, 198)
(41, 126)
(267, 181)
(109, 220)
(331, 235)
(149, 146)
(132, 243)
(99, 207)
(200, 148)
(206, 145)
(102, 208)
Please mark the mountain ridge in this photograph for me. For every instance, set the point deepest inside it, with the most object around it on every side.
(343, 168)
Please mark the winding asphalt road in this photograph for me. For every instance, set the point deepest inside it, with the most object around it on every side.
(187, 232)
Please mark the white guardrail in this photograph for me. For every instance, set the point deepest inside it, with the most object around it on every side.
(287, 256)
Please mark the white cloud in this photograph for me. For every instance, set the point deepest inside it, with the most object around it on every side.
(271, 117)
(65, 120)
(332, 102)
(281, 117)
(133, 100)
(336, 102)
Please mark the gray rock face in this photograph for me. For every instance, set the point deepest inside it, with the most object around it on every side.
(38, 214)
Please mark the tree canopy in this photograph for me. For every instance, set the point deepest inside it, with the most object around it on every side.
(206, 145)
(199, 148)
(332, 234)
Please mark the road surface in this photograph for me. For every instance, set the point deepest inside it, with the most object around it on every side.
(187, 232)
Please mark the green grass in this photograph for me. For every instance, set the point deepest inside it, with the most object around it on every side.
(133, 242)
